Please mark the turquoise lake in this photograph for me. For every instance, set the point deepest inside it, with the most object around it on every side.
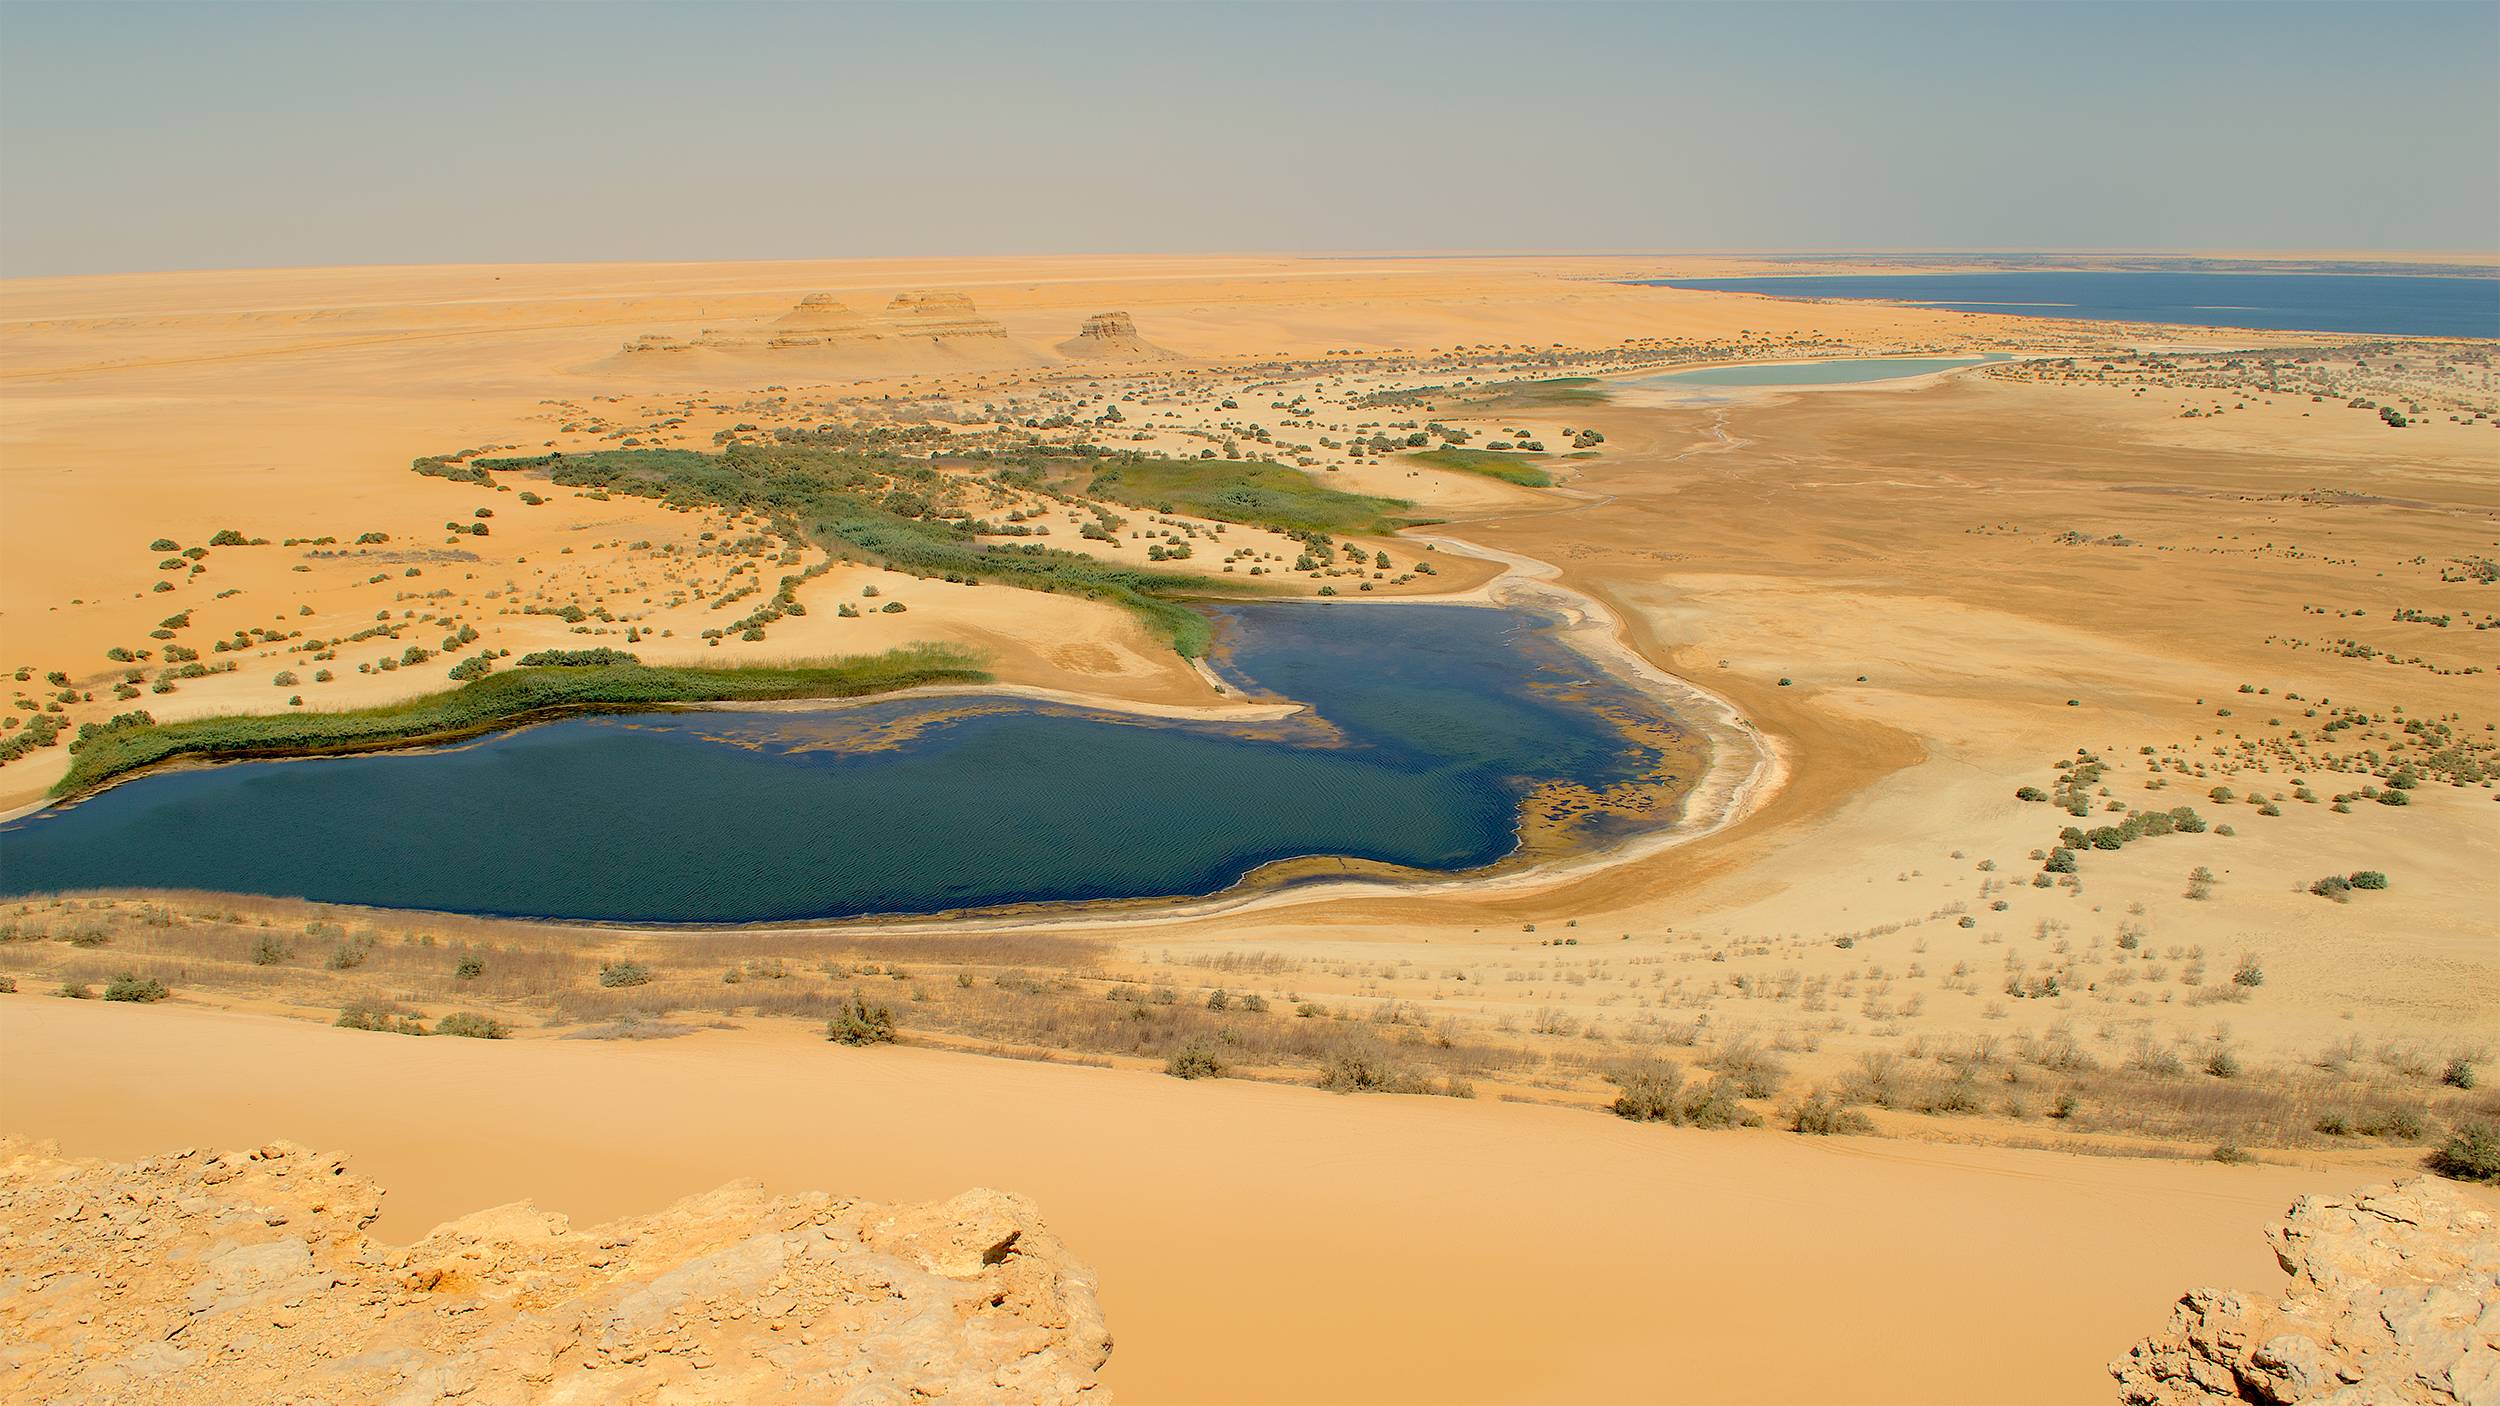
(1428, 726)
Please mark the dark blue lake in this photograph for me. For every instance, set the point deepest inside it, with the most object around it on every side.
(2395, 305)
(1429, 727)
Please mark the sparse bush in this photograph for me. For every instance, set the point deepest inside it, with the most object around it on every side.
(2460, 1074)
(860, 1021)
(472, 1025)
(1717, 1106)
(1824, 1115)
(471, 967)
(2332, 886)
(373, 1013)
(1350, 1068)
(2368, 879)
(75, 992)
(2334, 1123)
(627, 973)
(1219, 999)
(2222, 1064)
(2231, 1156)
(1254, 1003)
(2471, 1153)
(130, 986)
(2397, 1125)
(270, 950)
(1650, 1090)
(1196, 1060)
(2152, 1057)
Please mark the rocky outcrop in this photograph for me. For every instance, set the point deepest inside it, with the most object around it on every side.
(217, 1278)
(1110, 336)
(2395, 1297)
(941, 313)
(924, 327)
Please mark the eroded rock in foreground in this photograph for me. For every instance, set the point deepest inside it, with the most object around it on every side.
(200, 1277)
(2395, 1297)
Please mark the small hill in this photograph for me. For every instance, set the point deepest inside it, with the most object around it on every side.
(1110, 336)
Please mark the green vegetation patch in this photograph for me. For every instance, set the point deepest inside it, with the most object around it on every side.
(1510, 468)
(505, 699)
(1258, 494)
(900, 513)
(1561, 390)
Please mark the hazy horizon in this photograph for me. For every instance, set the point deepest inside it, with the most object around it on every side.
(259, 135)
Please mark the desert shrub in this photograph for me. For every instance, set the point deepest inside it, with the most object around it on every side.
(2334, 1123)
(1350, 1068)
(860, 1021)
(1754, 1073)
(2368, 879)
(2332, 886)
(2398, 1124)
(374, 1013)
(1650, 1093)
(2153, 1057)
(1196, 1060)
(1219, 999)
(473, 1025)
(1824, 1115)
(2231, 1156)
(630, 1025)
(1959, 1094)
(270, 950)
(628, 973)
(71, 990)
(130, 986)
(2031, 793)
(471, 967)
(2471, 1153)
(2459, 1074)
(1254, 1003)
(1717, 1106)
(2222, 1064)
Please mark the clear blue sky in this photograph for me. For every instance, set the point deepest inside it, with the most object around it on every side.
(208, 135)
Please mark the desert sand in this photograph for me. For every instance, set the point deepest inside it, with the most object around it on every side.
(1900, 587)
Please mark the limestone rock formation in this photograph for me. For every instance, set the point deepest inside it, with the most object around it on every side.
(1110, 336)
(942, 312)
(921, 329)
(217, 1278)
(2395, 1298)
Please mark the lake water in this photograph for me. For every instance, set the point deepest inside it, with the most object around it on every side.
(1431, 726)
(2379, 304)
(1814, 373)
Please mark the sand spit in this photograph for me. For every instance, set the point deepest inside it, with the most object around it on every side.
(223, 1276)
(1239, 712)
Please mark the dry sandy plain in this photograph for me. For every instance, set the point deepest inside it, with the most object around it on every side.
(1901, 586)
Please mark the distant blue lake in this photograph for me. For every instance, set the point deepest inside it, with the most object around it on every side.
(1815, 373)
(1431, 724)
(2394, 305)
